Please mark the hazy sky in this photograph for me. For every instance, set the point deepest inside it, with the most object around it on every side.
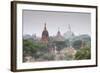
(33, 22)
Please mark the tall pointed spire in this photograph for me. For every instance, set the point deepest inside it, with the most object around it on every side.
(58, 33)
(45, 27)
(45, 35)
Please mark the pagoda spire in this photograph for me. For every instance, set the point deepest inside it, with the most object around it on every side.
(58, 33)
(45, 35)
(45, 27)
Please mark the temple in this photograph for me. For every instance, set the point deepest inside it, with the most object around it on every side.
(69, 34)
(59, 37)
(45, 35)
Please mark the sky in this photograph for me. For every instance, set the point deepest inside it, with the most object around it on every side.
(33, 22)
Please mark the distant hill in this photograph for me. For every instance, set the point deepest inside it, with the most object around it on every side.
(27, 36)
(84, 37)
(78, 41)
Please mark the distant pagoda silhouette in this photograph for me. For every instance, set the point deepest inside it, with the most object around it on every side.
(59, 37)
(58, 33)
(45, 35)
(68, 34)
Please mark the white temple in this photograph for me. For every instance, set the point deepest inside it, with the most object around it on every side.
(68, 34)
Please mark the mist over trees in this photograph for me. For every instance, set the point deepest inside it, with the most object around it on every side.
(58, 50)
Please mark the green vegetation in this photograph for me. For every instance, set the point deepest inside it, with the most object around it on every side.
(83, 53)
(68, 57)
(32, 48)
(48, 56)
(60, 44)
(77, 44)
(69, 49)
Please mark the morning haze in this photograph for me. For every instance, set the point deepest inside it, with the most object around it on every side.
(33, 22)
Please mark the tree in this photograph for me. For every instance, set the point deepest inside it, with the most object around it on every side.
(67, 43)
(30, 47)
(77, 44)
(60, 44)
(83, 53)
(34, 49)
